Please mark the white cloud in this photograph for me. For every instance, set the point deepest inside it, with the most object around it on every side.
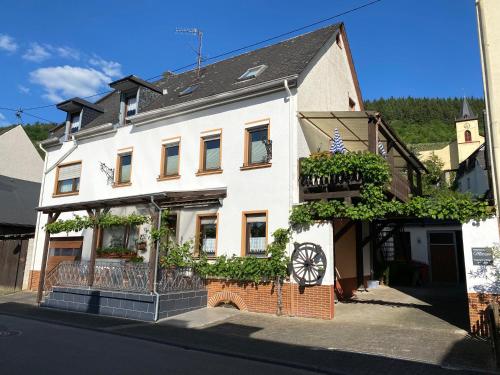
(23, 89)
(7, 43)
(110, 68)
(67, 52)
(37, 53)
(61, 82)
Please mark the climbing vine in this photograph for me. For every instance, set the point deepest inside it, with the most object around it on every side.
(254, 269)
(78, 223)
(373, 203)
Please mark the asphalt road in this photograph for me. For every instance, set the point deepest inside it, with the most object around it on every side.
(42, 348)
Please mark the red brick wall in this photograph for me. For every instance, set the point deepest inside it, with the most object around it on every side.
(311, 302)
(34, 279)
(478, 302)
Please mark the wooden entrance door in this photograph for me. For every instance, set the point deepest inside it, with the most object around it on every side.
(443, 257)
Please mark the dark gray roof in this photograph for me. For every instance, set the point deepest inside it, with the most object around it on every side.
(6, 129)
(18, 200)
(466, 113)
(72, 104)
(130, 81)
(283, 59)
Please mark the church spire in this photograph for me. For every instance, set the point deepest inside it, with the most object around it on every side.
(466, 112)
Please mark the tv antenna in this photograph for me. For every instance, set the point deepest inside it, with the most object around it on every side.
(199, 35)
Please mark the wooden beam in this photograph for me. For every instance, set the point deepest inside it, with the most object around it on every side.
(419, 182)
(41, 282)
(95, 238)
(373, 135)
(331, 195)
(343, 230)
(359, 255)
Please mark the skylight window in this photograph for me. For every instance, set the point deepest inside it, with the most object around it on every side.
(188, 90)
(252, 72)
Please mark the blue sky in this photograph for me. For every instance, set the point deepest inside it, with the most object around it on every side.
(55, 49)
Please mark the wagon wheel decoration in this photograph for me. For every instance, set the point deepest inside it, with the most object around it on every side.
(308, 263)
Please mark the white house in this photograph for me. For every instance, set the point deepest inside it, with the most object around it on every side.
(219, 148)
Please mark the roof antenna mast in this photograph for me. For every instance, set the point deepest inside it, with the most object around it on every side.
(199, 34)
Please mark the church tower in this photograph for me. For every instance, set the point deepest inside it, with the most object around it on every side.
(467, 128)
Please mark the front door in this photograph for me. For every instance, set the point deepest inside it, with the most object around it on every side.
(443, 257)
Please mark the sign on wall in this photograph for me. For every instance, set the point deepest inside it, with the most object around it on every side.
(482, 256)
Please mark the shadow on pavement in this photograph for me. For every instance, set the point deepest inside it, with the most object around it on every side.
(234, 340)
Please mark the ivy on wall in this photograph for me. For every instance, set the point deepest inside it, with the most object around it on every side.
(373, 203)
(79, 223)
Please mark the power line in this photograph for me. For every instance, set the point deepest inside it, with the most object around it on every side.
(228, 52)
(19, 112)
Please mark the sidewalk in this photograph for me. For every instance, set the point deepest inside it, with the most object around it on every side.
(335, 347)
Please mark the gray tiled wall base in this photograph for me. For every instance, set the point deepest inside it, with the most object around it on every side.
(124, 305)
(175, 303)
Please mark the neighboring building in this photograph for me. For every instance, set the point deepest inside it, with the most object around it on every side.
(21, 169)
(220, 149)
(453, 153)
(473, 174)
(18, 156)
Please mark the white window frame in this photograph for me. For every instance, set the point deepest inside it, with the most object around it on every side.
(253, 72)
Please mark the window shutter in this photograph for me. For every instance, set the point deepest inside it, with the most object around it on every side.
(256, 218)
(69, 172)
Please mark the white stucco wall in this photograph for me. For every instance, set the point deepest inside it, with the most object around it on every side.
(18, 156)
(327, 82)
(321, 234)
(481, 279)
(250, 190)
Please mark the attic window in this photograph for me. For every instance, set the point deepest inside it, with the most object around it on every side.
(252, 72)
(130, 105)
(188, 90)
(75, 122)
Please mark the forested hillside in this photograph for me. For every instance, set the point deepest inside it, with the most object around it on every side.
(424, 120)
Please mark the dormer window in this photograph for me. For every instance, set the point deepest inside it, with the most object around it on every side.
(130, 105)
(188, 90)
(252, 72)
(75, 122)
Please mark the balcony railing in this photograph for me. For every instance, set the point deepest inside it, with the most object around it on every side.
(347, 186)
(122, 276)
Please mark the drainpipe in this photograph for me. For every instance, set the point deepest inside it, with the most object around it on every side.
(155, 284)
(66, 154)
(39, 214)
(291, 165)
(285, 82)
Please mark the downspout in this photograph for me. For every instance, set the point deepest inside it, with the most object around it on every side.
(66, 154)
(291, 163)
(155, 284)
(39, 214)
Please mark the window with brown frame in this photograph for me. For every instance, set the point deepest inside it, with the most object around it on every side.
(256, 139)
(206, 236)
(171, 158)
(210, 153)
(254, 233)
(68, 179)
(124, 168)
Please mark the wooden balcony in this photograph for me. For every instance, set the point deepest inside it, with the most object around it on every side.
(360, 131)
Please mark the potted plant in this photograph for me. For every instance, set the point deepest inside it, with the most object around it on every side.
(141, 243)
